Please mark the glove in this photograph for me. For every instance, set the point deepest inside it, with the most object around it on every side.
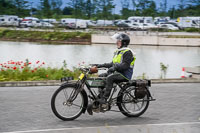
(111, 69)
(99, 65)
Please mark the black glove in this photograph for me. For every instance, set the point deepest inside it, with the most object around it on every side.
(99, 65)
(111, 70)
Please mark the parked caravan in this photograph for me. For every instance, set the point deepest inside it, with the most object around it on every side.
(31, 18)
(66, 21)
(8, 20)
(136, 19)
(187, 22)
(52, 21)
(104, 22)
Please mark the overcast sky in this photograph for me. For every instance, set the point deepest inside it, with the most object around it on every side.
(170, 4)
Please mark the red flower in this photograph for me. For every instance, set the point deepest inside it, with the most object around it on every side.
(47, 75)
(43, 63)
(32, 71)
(22, 67)
(14, 68)
(29, 63)
(37, 62)
(35, 69)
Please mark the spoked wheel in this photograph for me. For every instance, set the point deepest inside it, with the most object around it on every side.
(64, 106)
(129, 105)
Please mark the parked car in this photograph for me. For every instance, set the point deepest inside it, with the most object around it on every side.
(26, 23)
(122, 24)
(47, 25)
(71, 25)
(169, 26)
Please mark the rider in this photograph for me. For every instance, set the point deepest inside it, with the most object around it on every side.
(121, 67)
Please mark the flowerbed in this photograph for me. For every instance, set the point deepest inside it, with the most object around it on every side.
(29, 71)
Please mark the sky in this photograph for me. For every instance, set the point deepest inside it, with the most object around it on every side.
(170, 4)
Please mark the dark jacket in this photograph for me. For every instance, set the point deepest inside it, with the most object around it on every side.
(124, 67)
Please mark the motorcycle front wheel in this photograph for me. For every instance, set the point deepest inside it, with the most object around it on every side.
(131, 106)
(63, 107)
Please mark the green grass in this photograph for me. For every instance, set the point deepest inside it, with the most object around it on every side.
(43, 35)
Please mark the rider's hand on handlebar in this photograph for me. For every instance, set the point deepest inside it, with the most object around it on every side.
(111, 70)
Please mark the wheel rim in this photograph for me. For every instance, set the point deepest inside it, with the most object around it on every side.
(65, 108)
(136, 107)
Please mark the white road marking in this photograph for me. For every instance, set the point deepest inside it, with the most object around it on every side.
(79, 128)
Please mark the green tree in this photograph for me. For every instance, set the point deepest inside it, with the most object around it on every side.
(67, 11)
(21, 8)
(7, 7)
(56, 8)
(104, 10)
(45, 9)
(126, 12)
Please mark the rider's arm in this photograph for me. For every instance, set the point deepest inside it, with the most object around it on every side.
(106, 65)
(127, 59)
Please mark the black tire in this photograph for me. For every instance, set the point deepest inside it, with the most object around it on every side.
(132, 113)
(54, 102)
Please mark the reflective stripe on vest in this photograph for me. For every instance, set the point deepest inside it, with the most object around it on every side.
(118, 58)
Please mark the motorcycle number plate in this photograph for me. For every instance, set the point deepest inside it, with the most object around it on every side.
(81, 76)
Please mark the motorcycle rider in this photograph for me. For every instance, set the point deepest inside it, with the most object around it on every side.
(121, 67)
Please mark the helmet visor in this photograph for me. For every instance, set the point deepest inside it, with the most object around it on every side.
(116, 37)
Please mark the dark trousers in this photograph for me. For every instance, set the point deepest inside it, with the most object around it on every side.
(111, 78)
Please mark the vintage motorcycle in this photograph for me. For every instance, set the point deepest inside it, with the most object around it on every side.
(73, 98)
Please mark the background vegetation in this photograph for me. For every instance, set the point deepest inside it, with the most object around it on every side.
(43, 35)
(29, 71)
(98, 9)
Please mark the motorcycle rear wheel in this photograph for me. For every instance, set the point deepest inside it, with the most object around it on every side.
(129, 105)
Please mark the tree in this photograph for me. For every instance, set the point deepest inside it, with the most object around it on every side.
(56, 8)
(125, 12)
(105, 9)
(21, 7)
(7, 7)
(67, 11)
(45, 9)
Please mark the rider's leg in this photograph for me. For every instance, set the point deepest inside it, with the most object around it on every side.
(115, 77)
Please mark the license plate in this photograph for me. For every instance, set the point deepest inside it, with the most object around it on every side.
(81, 76)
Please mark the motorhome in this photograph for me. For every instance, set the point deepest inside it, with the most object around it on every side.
(52, 21)
(9, 20)
(31, 18)
(66, 21)
(187, 22)
(136, 19)
(104, 22)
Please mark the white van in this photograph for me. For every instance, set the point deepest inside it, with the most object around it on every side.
(81, 24)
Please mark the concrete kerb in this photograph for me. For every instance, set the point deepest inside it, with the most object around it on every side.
(58, 82)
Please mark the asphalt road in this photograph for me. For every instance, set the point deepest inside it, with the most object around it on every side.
(28, 109)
